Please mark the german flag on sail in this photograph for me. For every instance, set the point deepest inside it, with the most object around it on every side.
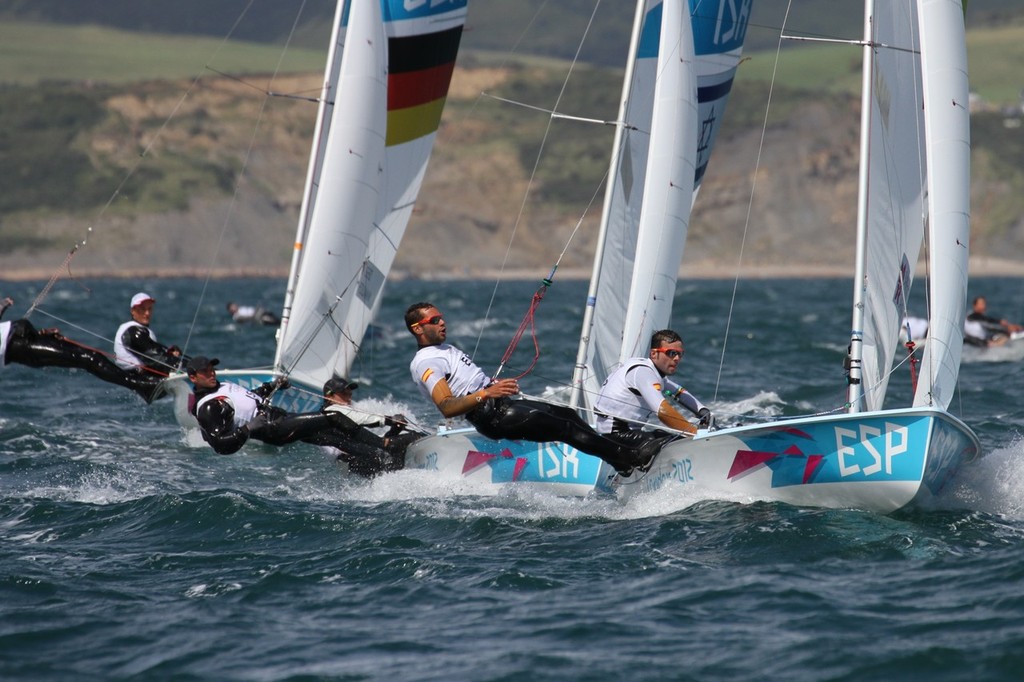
(419, 72)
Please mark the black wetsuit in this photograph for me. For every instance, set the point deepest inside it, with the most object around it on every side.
(27, 346)
(361, 448)
(533, 420)
(154, 356)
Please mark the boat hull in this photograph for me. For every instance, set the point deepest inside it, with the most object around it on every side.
(489, 466)
(877, 461)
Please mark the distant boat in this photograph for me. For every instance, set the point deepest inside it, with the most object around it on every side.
(389, 66)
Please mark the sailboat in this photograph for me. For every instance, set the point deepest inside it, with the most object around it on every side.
(681, 64)
(389, 67)
(914, 181)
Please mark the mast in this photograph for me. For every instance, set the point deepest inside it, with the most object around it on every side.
(312, 172)
(613, 169)
(855, 392)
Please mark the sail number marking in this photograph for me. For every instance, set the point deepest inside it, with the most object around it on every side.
(880, 448)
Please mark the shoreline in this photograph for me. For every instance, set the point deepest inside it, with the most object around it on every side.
(979, 267)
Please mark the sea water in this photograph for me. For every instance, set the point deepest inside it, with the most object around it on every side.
(127, 552)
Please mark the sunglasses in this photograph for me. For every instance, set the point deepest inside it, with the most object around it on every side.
(436, 319)
(671, 352)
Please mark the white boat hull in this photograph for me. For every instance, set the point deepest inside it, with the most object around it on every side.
(489, 466)
(879, 462)
(875, 461)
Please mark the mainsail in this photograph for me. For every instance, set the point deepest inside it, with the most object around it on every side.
(894, 184)
(686, 52)
(377, 124)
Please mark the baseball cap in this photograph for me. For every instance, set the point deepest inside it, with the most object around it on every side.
(140, 298)
(339, 384)
(200, 363)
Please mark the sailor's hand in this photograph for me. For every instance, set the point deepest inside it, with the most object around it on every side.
(502, 388)
(707, 420)
(50, 331)
(174, 351)
(281, 383)
(7, 302)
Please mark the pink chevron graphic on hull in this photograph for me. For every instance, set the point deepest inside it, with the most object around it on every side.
(746, 460)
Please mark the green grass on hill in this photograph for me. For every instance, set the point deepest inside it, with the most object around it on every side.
(31, 53)
(994, 56)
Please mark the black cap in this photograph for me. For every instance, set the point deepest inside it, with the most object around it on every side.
(200, 363)
(338, 384)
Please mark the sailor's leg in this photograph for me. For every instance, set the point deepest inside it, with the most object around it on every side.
(538, 421)
(292, 427)
(29, 347)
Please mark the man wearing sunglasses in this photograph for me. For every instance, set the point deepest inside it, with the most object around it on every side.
(634, 393)
(457, 386)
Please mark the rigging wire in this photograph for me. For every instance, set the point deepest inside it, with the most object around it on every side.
(241, 174)
(533, 172)
(45, 291)
(750, 206)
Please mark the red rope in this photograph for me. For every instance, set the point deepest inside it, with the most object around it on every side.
(529, 320)
(913, 365)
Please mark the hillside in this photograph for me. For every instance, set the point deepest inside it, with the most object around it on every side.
(206, 175)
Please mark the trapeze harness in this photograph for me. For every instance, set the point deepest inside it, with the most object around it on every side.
(626, 406)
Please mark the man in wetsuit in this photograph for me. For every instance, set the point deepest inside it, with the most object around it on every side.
(368, 454)
(249, 313)
(986, 327)
(636, 392)
(229, 415)
(457, 386)
(22, 343)
(135, 345)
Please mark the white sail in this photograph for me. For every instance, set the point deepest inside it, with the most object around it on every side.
(374, 138)
(714, 31)
(668, 191)
(895, 176)
(346, 207)
(947, 129)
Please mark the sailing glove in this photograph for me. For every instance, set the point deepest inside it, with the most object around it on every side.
(707, 420)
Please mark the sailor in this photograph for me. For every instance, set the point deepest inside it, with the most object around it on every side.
(993, 326)
(229, 414)
(248, 313)
(22, 343)
(377, 454)
(135, 344)
(457, 386)
(636, 392)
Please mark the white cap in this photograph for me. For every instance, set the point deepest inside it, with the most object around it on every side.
(140, 298)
